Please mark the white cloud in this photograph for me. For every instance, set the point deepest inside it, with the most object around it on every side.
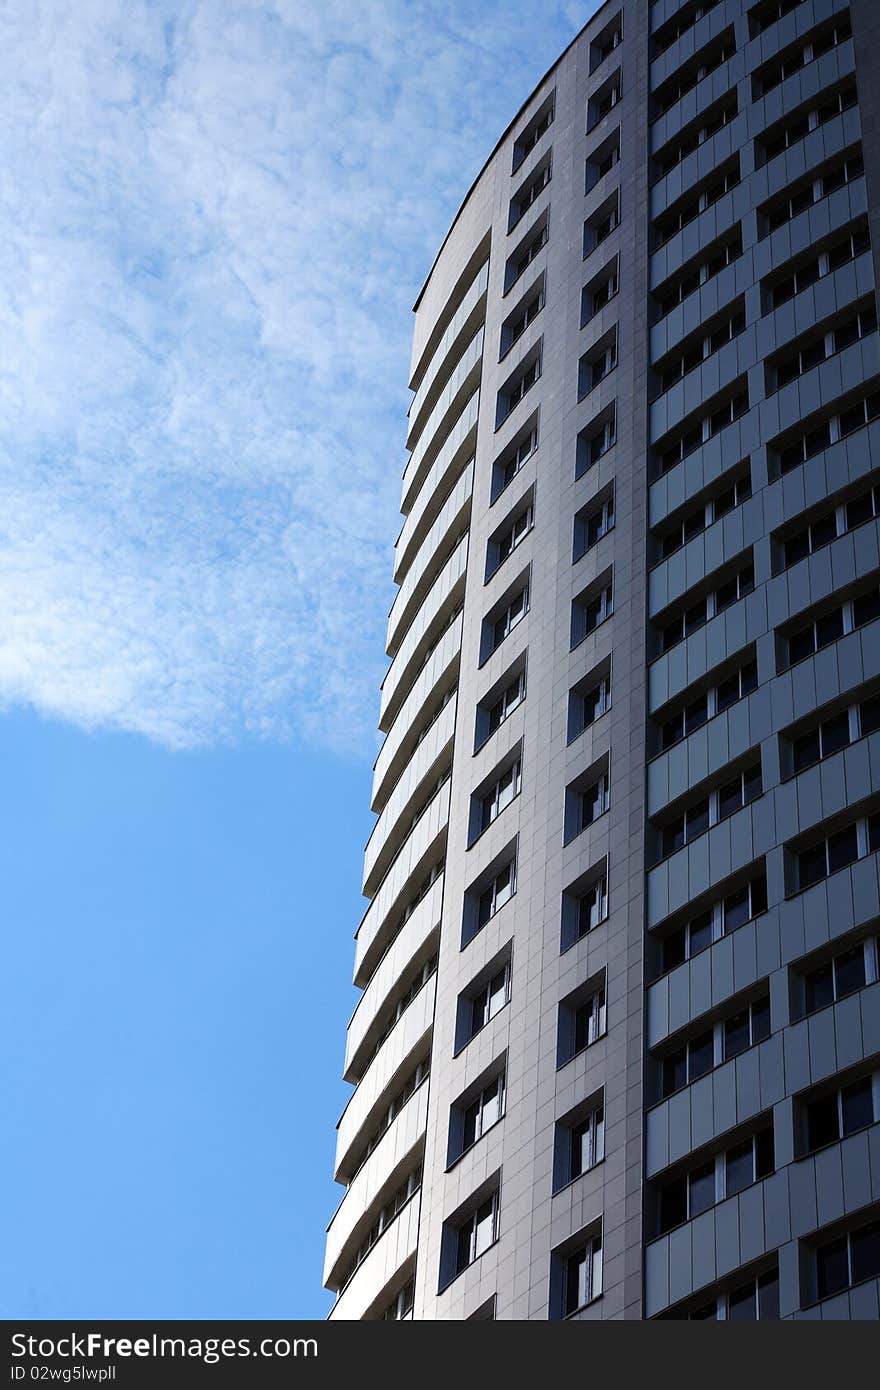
(214, 218)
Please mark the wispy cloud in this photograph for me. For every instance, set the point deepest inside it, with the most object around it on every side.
(214, 217)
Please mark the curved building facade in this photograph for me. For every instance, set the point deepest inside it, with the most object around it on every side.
(617, 1051)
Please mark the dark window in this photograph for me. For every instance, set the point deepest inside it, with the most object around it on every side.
(701, 1189)
(592, 907)
(507, 702)
(491, 998)
(589, 1021)
(843, 849)
(736, 1034)
(699, 933)
(701, 1056)
(832, 1267)
(823, 1122)
(741, 1305)
(674, 1205)
(865, 1252)
(587, 1143)
(849, 972)
(477, 1233)
(740, 1167)
(483, 1113)
(857, 1106)
(737, 909)
(869, 715)
(819, 988)
(582, 1277)
(675, 1071)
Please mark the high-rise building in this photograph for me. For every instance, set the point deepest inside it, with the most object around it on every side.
(617, 1053)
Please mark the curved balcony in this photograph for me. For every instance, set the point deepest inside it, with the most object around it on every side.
(469, 313)
(417, 931)
(440, 423)
(397, 1151)
(383, 1264)
(452, 518)
(397, 1053)
(426, 763)
(426, 630)
(414, 859)
(436, 677)
(456, 453)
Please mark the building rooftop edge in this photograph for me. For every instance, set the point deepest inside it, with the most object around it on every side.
(499, 142)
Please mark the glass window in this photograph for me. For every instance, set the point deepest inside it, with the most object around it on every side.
(471, 1125)
(493, 1103)
(759, 896)
(484, 1226)
(587, 1143)
(592, 803)
(696, 714)
(673, 837)
(812, 866)
(801, 644)
(797, 547)
(593, 907)
(859, 510)
(701, 1056)
(835, 734)
(737, 909)
(819, 988)
(498, 991)
(865, 1252)
(673, 1205)
(866, 608)
(752, 787)
(843, 849)
(697, 820)
(728, 693)
(699, 933)
(829, 628)
(589, 1021)
(701, 1189)
(582, 1277)
(869, 715)
(707, 1312)
(760, 1020)
(576, 1290)
(492, 997)
(823, 1125)
(674, 949)
(768, 1296)
(737, 1037)
(740, 1167)
(730, 798)
(675, 1071)
(849, 971)
(741, 1304)
(857, 1106)
(832, 1268)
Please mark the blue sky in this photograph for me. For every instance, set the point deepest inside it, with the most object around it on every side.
(215, 219)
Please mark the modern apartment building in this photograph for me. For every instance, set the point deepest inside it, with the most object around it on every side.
(617, 1051)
